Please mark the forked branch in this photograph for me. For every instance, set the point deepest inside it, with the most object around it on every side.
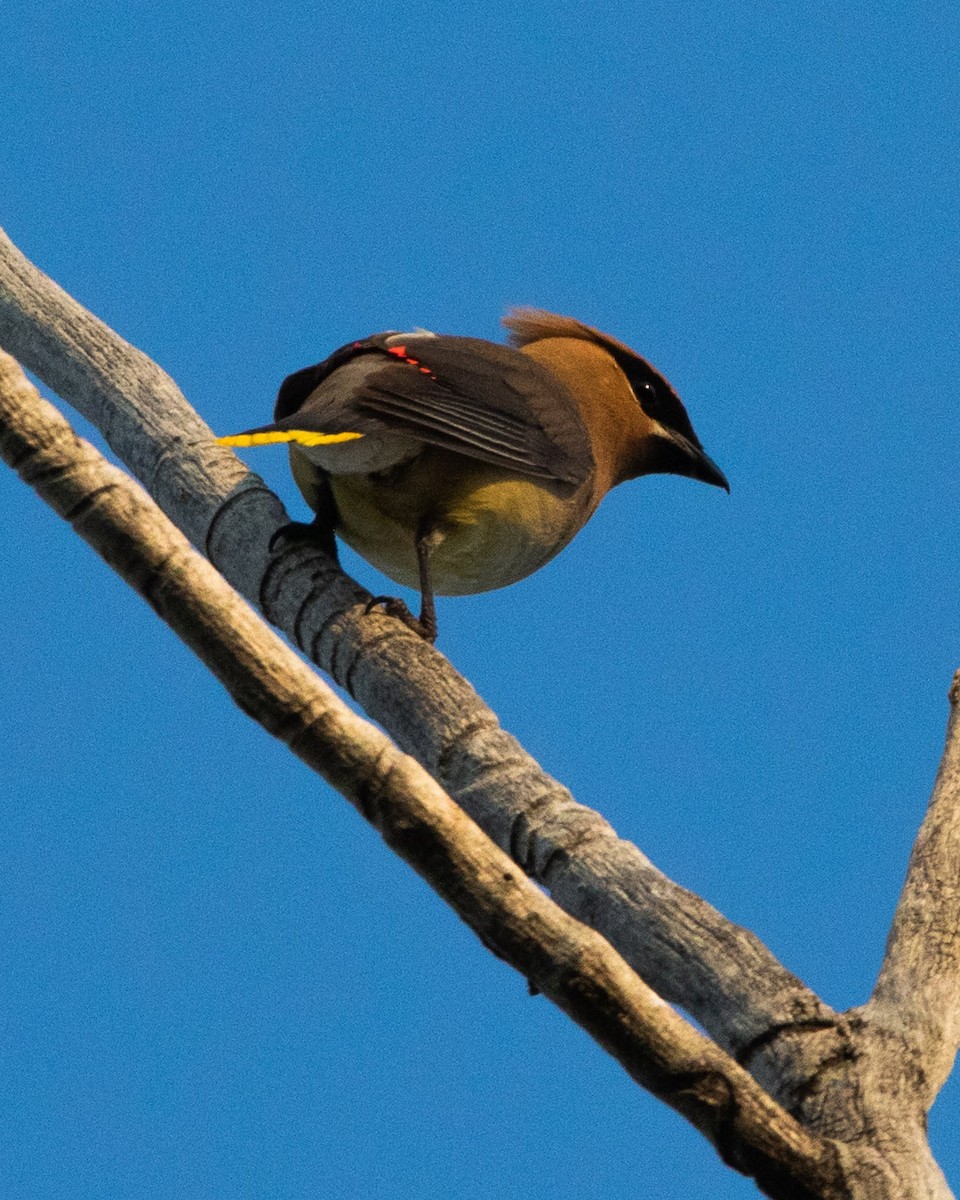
(720, 973)
(858, 1084)
(560, 957)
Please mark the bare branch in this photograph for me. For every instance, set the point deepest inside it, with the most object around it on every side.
(719, 972)
(918, 990)
(564, 959)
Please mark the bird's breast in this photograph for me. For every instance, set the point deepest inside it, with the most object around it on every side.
(497, 526)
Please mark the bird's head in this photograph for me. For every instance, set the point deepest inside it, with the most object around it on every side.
(636, 421)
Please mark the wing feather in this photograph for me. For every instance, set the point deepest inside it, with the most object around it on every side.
(485, 401)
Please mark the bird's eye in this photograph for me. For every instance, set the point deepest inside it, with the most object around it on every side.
(649, 399)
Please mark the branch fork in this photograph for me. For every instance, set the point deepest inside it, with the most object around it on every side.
(829, 1105)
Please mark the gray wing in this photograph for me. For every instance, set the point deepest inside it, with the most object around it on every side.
(477, 398)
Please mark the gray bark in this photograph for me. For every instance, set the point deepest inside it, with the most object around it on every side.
(859, 1084)
(918, 990)
(568, 962)
(720, 973)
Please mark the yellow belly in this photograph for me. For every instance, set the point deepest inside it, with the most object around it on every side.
(497, 526)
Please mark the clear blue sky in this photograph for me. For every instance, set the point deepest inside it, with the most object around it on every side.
(215, 981)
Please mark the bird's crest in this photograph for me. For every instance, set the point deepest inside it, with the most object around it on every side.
(528, 325)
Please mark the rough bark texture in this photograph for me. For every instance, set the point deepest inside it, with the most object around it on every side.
(720, 973)
(918, 991)
(859, 1084)
(562, 958)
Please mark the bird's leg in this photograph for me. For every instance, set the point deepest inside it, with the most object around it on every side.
(428, 540)
(318, 532)
(429, 537)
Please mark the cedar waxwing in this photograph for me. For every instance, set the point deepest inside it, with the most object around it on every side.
(456, 465)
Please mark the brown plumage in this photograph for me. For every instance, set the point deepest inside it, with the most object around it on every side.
(456, 465)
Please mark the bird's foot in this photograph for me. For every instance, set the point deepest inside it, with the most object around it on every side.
(301, 533)
(396, 608)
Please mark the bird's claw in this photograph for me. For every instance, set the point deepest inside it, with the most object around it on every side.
(394, 607)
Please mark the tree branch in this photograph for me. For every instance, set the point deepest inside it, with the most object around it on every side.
(918, 989)
(564, 959)
(720, 973)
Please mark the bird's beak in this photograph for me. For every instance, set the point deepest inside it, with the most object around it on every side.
(693, 463)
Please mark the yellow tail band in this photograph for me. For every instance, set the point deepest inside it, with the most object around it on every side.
(303, 437)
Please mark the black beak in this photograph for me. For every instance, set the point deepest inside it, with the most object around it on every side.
(689, 459)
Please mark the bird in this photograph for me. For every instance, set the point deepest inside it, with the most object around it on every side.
(457, 465)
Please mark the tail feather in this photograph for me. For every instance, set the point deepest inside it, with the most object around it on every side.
(303, 437)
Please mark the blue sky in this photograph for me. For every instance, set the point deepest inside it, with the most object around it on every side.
(215, 980)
